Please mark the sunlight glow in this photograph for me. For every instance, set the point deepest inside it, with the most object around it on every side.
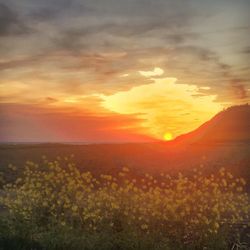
(70, 100)
(168, 137)
(164, 105)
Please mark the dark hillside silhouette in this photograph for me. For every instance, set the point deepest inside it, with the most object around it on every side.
(229, 126)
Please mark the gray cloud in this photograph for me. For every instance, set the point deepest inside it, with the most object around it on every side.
(246, 50)
(22, 62)
(50, 99)
(73, 37)
(58, 9)
(10, 22)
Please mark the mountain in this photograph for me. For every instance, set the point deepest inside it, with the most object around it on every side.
(231, 125)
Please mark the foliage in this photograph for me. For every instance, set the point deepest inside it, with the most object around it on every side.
(51, 206)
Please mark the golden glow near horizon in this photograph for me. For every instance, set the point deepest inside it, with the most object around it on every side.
(162, 109)
(164, 105)
(167, 137)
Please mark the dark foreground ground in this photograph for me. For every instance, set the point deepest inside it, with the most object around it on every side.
(46, 229)
(148, 157)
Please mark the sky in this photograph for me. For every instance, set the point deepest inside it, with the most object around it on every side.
(119, 70)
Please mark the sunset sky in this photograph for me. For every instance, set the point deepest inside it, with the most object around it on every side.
(119, 70)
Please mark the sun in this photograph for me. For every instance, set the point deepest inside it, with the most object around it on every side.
(168, 136)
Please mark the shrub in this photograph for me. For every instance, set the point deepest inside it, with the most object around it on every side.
(55, 207)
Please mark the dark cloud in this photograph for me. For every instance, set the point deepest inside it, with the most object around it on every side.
(246, 50)
(51, 99)
(58, 9)
(45, 14)
(180, 38)
(201, 53)
(239, 89)
(10, 22)
(108, 35)
(118, 21)
(22, 62)
(75, 35)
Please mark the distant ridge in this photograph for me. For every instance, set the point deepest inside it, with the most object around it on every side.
(231, 125)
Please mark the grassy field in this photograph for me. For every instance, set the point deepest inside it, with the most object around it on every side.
(150, 158)
(66, 197)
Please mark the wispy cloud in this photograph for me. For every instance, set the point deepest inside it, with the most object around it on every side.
(155, 72)
(38, 124)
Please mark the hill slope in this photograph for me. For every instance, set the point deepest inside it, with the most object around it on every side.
(229, 126)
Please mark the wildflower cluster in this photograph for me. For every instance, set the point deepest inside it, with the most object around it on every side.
(185, 207)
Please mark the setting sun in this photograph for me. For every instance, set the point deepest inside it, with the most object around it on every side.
(168, 137)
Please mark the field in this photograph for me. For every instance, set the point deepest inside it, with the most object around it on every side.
(124, 196)
(144, 158)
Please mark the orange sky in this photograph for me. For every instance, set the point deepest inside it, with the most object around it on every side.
(116, 71)
(142, 113)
